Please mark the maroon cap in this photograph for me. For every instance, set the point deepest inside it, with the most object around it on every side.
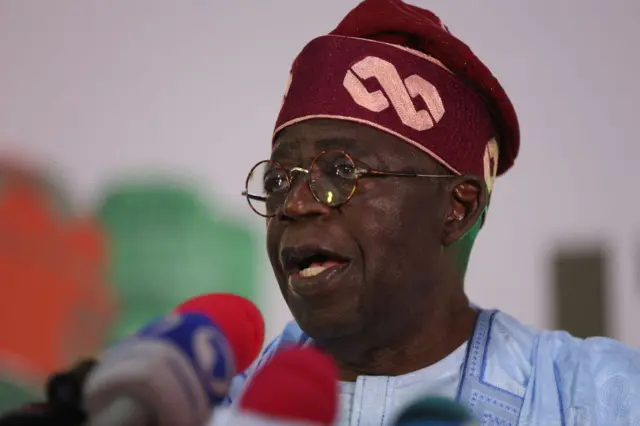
(396, 67)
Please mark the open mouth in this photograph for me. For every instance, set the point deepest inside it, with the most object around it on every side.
(310, 262)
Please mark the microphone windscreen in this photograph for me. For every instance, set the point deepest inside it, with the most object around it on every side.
(435, 423)
(238, 318)
(299, 383)
(435, 411)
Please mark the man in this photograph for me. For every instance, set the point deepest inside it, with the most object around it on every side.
(384, 155)
(390, 136)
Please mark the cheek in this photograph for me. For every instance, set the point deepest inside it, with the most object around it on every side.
(273, 240)
(272, 226)
(395, 210)
(397, 225)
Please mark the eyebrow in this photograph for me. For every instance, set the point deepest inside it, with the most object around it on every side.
(288, 148)
(284, 149)
(353, 147)
(350, 145)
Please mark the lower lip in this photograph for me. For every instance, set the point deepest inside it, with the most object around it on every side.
(323, 283)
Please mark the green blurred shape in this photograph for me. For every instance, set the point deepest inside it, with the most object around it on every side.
(13, 394)
(166, 246)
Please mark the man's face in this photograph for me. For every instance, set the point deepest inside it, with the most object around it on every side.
(377, 257)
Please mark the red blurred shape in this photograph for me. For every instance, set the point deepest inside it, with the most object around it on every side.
(55, 305)
(297, 384)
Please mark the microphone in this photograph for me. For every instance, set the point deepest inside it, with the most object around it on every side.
(175, 370)
(435, 411)
(298, 386)
(64, 389)
(246, 334)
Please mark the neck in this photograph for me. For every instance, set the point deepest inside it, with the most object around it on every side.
(444, 330)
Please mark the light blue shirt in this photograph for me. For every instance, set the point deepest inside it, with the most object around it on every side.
(508, 374)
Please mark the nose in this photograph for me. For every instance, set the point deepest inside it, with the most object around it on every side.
(300, 201)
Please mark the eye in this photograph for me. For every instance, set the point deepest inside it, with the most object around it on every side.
(344, 170)
(275, 181)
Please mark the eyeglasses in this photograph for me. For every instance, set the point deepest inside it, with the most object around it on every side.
(333, 179)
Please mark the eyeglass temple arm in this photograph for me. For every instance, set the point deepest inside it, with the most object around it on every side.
(253, 197)
(381, 173)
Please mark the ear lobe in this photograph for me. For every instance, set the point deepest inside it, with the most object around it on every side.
(468, 198)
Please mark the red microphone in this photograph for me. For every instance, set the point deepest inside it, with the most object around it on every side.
(239, 319)
(298, 386)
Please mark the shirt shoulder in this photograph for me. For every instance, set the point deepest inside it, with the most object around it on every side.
(598, 378)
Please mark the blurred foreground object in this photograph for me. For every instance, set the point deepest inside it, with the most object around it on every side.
(435, 411)
(63, 406)
(297, 387)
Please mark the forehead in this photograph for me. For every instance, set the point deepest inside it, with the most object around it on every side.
(306, 139)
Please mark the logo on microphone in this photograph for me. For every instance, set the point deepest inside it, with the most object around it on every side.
(214, 359)
(395, 92)
(203, 346)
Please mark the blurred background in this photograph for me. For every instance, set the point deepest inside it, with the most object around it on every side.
(127, 129)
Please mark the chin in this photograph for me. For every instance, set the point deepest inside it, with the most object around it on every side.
(326, 323)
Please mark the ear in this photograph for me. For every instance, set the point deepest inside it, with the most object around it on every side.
(468, 198)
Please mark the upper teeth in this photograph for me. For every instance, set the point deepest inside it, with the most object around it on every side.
(313, 270)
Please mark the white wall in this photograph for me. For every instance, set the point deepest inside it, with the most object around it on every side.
(99, 88)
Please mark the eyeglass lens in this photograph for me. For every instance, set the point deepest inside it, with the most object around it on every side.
(332, 180)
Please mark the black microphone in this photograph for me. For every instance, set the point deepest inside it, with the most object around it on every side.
(40, 414)
(64, 390)
(435, 411)
(63, 406)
